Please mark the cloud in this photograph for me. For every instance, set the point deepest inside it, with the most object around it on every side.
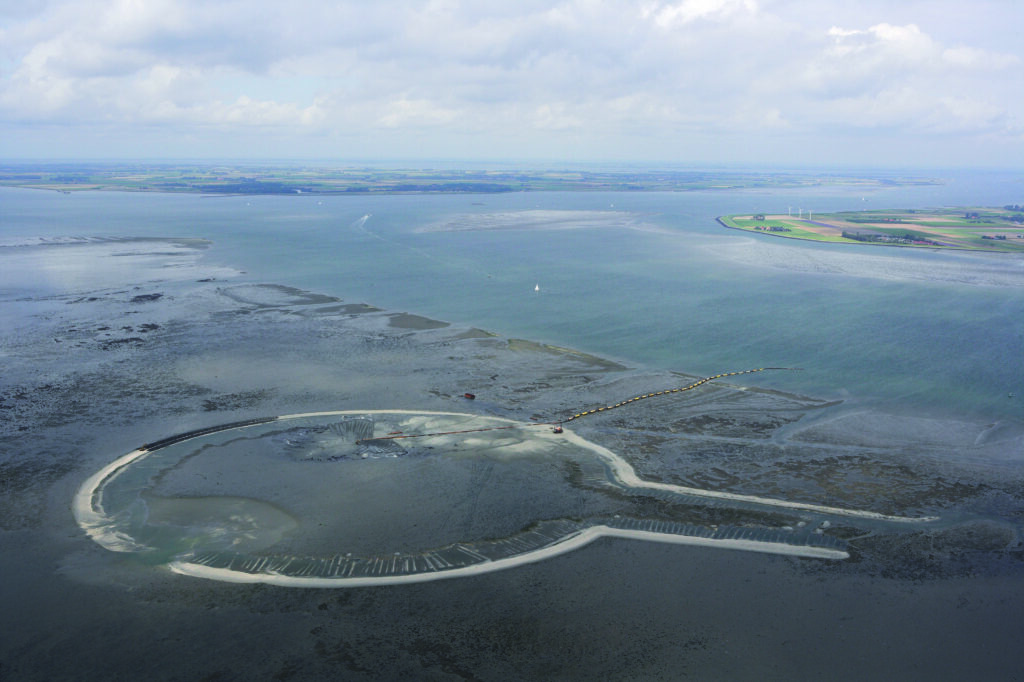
(893, 78)
(669, 15)
(555, 75)
(555, 117)
(405, 112)
(972, 57)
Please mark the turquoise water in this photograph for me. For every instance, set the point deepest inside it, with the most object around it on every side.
(938, 333)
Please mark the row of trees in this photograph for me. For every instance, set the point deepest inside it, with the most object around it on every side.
(907, 238)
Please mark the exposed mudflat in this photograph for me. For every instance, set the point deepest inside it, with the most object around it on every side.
(540, 220)
(124, 356)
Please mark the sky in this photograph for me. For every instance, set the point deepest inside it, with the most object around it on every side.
(836, 83)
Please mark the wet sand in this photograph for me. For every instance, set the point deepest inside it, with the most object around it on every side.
(98, 369)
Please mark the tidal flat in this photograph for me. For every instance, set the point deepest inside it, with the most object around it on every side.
(149, 341)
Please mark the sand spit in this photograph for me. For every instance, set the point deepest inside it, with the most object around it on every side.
(581, 539)
(625, 473)
(540, 220)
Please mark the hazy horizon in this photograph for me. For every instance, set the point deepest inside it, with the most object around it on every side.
(518, 164)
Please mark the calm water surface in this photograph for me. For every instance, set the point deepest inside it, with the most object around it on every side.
(660, 284)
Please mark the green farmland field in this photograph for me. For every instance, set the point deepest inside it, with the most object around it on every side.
(974, 229)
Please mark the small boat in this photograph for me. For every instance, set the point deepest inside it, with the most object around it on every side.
(536, 287)
(469, 396)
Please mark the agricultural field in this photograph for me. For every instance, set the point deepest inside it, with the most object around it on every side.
(966, 228)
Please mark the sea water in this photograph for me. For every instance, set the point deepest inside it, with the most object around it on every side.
(653, 281)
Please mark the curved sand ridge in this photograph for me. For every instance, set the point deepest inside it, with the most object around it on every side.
(110, 507)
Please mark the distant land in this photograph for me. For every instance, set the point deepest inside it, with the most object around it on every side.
(234, 179)
(967, 228)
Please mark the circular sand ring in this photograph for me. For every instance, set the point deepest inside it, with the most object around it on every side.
(255, 540)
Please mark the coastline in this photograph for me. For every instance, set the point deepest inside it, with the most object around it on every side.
(935, 247)
(271, 180)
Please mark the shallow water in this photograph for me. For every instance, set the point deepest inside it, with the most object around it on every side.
(647, 278)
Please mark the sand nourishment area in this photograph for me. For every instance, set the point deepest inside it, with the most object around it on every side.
(113, 529)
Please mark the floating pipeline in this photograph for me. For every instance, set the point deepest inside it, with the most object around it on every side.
(557, 423)
(171, 440)
(672, 390)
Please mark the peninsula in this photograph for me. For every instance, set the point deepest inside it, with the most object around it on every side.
(965, 228)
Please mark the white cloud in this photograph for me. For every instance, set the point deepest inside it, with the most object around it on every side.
(972, 57)
(960, 114)
(669, 16)
(881, 45)
(415, 112)
(555, 117)
(534, 73)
